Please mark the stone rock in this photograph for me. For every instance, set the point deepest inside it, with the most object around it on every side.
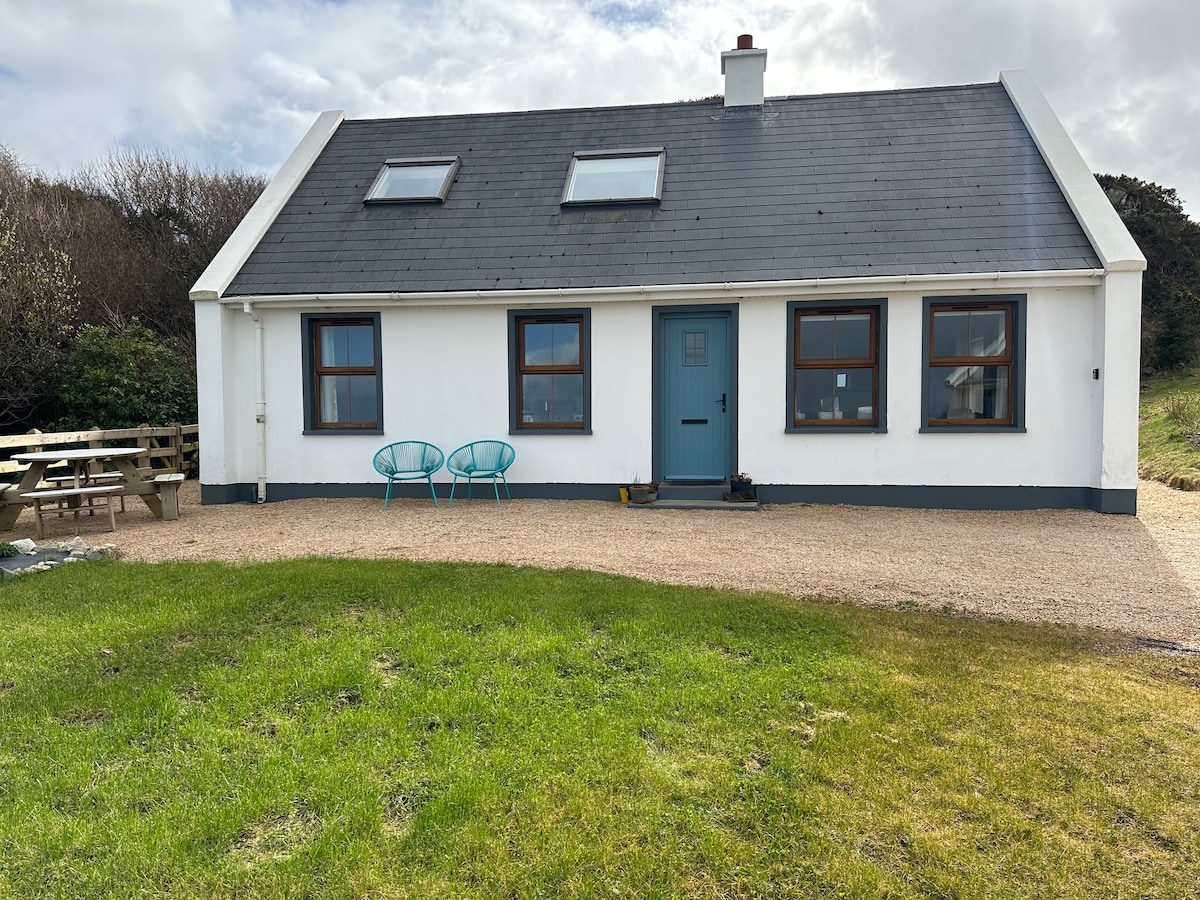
(57, 552)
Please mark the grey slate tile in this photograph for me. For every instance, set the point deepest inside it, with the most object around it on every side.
(921, 182)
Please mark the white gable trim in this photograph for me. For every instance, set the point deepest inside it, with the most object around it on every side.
(1100, 222)
(233, 255)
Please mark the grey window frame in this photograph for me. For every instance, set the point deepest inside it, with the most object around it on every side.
(415, 162)
(631, 153)
(1018, 304)
(308, 331)
(515, 318)
(833, 307)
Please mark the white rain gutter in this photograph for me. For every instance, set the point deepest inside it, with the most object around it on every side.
(688, 292)
(260, 405)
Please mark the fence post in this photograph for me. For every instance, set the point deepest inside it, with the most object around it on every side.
(143, 441)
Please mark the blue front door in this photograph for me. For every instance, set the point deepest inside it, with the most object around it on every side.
(695, 402)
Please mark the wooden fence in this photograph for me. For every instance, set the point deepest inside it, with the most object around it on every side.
(171, 448)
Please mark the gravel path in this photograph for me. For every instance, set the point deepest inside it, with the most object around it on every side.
(1138, 575)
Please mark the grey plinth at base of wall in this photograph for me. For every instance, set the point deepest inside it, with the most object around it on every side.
(1115, 501)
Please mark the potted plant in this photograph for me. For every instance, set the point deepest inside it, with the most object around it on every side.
(740, 481)
(642, 492)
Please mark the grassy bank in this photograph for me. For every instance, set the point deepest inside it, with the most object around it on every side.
(1169, 430)
(389, 729)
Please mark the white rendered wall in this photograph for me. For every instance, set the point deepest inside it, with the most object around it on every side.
(1056, 450)
(445, 380)
(225, 381)
(212, 338)
(1119, 377)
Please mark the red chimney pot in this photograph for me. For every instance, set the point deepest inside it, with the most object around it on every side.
(745, 42)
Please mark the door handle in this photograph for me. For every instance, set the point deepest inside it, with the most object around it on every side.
(722, 403)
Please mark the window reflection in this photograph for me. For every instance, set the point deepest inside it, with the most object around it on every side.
(619, 178)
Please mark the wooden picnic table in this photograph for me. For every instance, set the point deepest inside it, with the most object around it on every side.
(131, 482)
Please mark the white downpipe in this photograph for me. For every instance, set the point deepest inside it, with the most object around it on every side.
(260, 405)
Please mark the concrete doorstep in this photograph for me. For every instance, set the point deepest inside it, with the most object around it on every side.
(700, 496)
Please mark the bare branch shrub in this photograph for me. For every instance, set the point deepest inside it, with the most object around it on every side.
(177, 216)
(38, 295)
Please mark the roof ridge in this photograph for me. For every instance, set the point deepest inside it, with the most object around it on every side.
(671, 104)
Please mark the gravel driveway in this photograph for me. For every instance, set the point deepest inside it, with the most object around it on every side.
(1138, 575)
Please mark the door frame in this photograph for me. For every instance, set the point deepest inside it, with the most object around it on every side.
(658, 313)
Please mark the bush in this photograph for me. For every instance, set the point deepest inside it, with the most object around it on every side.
(1184, 409)
(121, 379)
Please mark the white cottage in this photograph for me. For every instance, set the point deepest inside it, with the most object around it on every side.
(903, 298)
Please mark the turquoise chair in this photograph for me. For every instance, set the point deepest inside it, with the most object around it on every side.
(406, 461)
(481, 459)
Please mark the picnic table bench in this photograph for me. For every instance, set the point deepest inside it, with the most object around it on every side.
(92, 478)
(90, 492)
(160, 493)
(168, 492)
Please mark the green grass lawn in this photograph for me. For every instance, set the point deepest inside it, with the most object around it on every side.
(1169, 429)
(389, 729)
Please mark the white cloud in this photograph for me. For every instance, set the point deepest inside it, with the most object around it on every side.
(1120, 73)
(238, 82)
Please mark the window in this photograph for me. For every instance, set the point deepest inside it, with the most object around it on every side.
(695, 348)
(343, 377)
(615, 176)
(835, 366)
(972, 371)
(549, 373)
(413, 180)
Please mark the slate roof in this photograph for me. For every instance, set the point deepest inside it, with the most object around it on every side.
(937, 180)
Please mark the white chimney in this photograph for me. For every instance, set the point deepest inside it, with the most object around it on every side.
(743, 69)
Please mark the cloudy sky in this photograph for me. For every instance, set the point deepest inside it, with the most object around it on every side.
(237, 82)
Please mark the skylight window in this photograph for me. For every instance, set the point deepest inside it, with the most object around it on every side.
(615, 176)
(414, 180)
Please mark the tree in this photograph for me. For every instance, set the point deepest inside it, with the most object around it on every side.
(1170, 242)
(122, 378)
(177, 216)
(119, 243)
(38, 301)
